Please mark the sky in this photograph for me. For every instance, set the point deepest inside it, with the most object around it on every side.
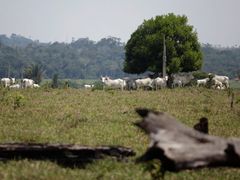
(216, 21)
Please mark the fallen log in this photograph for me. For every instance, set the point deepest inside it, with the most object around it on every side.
(65, 154)
(180, 147)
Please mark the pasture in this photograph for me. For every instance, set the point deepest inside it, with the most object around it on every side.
(106, 118)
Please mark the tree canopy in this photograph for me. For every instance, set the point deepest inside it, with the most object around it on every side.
(144, 50)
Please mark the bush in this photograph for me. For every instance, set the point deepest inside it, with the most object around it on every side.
(55, 81)
(18, 101)
(15, 100)
(98, 86)
(200, 75)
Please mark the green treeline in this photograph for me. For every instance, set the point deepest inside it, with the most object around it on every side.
(80, 59)
(221, 60)
(87, 59)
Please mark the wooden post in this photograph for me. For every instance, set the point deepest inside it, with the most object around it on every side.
(164, 58)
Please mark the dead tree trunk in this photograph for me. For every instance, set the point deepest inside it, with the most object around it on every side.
(180, 147)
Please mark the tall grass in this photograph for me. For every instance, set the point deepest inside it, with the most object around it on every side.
(106, 118)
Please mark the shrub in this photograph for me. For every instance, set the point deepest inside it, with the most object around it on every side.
(200, 75)
(98, 86)
(18, 101)
(15, 100)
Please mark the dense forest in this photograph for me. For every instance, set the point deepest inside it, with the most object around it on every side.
(82, 58)
(87, 59)
(221, 60)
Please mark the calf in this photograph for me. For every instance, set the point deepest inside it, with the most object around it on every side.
(36, 86)
(88, 86)
(15, 86)
(202, 82)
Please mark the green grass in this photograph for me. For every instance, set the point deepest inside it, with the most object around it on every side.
(235, 84)
(73, 83)
(106, 118)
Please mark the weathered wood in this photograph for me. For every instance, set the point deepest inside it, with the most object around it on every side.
(62, 153)
(202, 125)
(180, 147)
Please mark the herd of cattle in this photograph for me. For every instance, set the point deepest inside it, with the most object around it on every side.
(174, 80)
(25, 83)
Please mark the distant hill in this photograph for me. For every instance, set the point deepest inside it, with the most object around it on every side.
(15, 40)
(87, 59)
(220, 60)
(82, 59)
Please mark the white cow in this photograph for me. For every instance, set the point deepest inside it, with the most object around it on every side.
(15, 86)
(177, 83)
(223, 79)
(217, 84)
(7, 81)
(145, 82)
(113, 83)
(202, 82)
(159, 83)
(27, 83)
(88, 86)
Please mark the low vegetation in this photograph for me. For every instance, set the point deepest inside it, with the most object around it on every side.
(99, 117)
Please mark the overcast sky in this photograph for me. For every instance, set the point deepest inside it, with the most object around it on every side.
(216, 21)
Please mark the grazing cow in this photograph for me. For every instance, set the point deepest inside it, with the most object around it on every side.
(88, 86)
(159, 83)
(7, 81)
(223, 79)
(202, 82)
(145, 83)
(113, 83)
(180, 79)
(15, 86)
(27, 83)
(131, 84)
(177, 83)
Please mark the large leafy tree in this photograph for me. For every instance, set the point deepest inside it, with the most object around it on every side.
(144, 50)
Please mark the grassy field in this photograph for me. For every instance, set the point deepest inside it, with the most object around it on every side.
(235, 84)
(106, 118)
